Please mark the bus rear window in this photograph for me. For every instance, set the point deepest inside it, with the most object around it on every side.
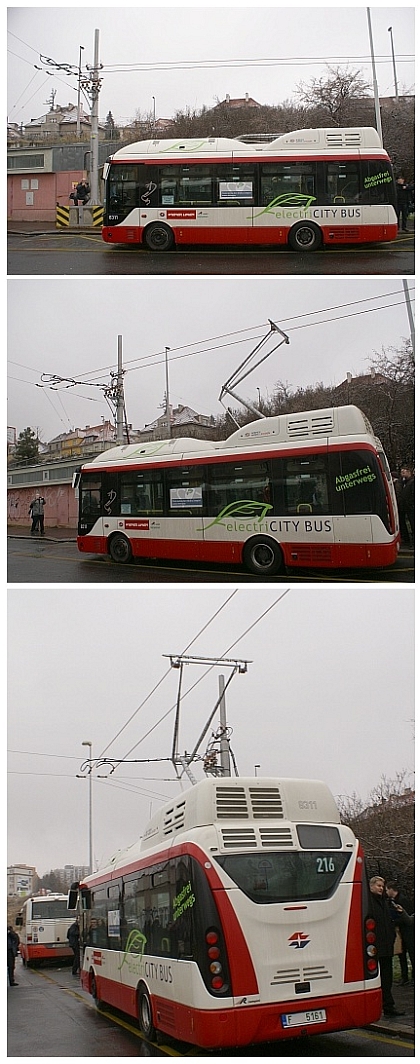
(50, 910)
(286, 877)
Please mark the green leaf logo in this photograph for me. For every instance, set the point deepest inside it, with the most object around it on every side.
(241, 508)
(136, 943)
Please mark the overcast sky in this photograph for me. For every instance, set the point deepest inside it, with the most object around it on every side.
(328, 695)
(187, 57)
(70, 327)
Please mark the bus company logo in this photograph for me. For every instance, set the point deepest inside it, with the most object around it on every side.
(97, 957)
(137, 525)
(299, 940)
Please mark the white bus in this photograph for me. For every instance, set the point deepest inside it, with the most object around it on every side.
(44, 921)
(306, 189)
(240, 917)
(309, 489)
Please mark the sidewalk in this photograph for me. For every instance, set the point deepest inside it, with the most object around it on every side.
(59, 535)
(43, 228)
(401, 1026)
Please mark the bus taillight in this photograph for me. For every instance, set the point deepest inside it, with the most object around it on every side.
(371, 950)
(218, 979)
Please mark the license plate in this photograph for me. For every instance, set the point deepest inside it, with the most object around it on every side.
(297, 1019)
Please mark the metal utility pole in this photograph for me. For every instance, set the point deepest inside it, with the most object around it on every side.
(167, 403)
(409, 311)
(89, 744)
(81, 49)
(120, 395)
(375, 83)
(94, 141)
(224, 742)
(393, 63)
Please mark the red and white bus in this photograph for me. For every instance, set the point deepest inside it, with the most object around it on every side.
(308, 189)
(309, 489)
(44, 921)
(240, 917)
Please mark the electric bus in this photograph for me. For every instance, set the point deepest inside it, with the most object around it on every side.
(309, 489)
(44, 921)
(306, 189)
(241, 916)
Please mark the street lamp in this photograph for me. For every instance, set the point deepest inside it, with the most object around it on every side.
(255, 769)
(393, 62)
(154, 113)
(89, 744)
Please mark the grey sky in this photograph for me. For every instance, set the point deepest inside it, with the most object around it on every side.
(329, 694)
(70, 327)
(192, 56)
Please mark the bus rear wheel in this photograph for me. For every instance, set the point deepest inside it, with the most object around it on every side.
(305, 236)
(146, 1024)
(262, 556)
(159, 237)
(120, 549)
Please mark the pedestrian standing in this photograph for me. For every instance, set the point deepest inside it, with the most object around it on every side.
(385, 937)
(407, 497)
(36, 512)
(73, 935)
(12, 952)
(403, 202)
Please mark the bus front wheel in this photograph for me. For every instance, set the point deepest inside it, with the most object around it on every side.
(159, 237)
(262, 556)
(94, 992)
(305, 236)
(146, 1024)
(120, 549)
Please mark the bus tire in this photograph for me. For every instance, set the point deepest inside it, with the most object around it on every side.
(159, 237)
(120, 548)
(305, 236)
(146, 1024)
(94, 991)
(262, 556)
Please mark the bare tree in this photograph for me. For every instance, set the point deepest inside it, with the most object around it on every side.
(385, 827)
(334, 94)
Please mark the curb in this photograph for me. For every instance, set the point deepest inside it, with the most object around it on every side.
(395, 1030)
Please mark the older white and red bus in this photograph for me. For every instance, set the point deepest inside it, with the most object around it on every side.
(44, 921)
(305, 189)
(240, 917)
(310, 489)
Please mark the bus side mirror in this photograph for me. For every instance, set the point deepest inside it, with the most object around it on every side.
(72, 898)
(86, 898)
(19, 921)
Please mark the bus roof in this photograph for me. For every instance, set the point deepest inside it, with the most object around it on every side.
(342, 421)
(228, 810)
(334, 140)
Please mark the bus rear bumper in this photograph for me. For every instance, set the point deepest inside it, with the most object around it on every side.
(253, 1024)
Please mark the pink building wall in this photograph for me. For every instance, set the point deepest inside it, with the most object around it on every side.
(60, 505)
(52, 189)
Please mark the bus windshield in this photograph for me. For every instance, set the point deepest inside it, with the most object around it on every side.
(285, 877)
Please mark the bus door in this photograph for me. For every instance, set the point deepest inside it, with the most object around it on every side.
(185, 497)
(288, 192)
(235, 197)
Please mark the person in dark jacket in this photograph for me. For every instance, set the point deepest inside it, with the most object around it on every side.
(399, 908)
(403, 202)
(73, 935)
(36, 512)
(12, 952)
(385, 937)
(407, 497)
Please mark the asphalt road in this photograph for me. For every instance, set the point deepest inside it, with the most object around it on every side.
(51, 561)
(80, 254)
(50, 1016)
